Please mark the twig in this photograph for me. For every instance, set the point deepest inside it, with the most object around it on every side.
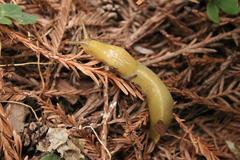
(95, 133)
(22, 104)
(105, 116)
(23, 64)
(40, 73)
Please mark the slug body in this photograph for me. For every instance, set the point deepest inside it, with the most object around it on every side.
(159, 99)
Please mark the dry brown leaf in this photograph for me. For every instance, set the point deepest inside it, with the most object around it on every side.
(17, 114)
(60, 141)
(64, 86)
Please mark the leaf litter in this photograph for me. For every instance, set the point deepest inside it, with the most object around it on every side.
(69, 91)
(57, 139)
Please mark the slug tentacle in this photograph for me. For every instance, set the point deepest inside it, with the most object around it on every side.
(159, 99)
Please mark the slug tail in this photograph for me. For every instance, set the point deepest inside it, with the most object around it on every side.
(154, 135)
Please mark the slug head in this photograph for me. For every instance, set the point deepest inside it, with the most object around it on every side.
(111, 55)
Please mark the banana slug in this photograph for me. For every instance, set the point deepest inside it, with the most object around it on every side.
(159, 99)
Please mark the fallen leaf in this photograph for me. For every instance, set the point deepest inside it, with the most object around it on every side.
(17, 114)
(143, 50)
(234, 149)
(70, 151)
(58, 139)
(64, 86)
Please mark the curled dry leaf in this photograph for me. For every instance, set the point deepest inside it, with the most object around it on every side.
(57, 139)
(143, 50)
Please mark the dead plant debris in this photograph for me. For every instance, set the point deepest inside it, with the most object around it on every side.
(67, 89)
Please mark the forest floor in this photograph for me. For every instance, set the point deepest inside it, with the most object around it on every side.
(56, 98)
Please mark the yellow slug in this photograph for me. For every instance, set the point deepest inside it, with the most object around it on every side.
(159, 99)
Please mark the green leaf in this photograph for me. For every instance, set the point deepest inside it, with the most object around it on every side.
(213, 11)
(10, 10)
(25, 19)
(4, 20)
(50, 156)
(229, 6)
